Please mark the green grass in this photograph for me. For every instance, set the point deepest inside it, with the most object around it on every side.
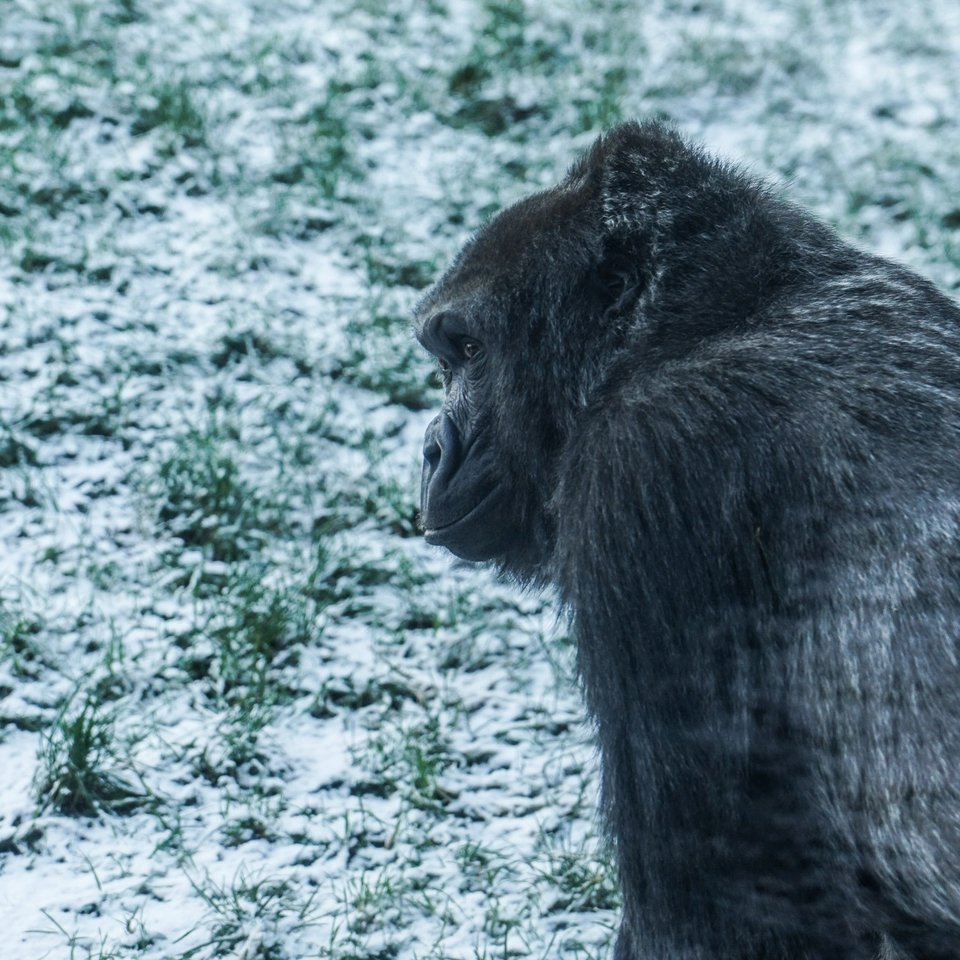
(203, 500)
(383, 357)
(226, 656)
(245, 916)
(20, 633)
(80, 771)
(173, 106)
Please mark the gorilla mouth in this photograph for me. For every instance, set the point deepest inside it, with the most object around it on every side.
(435, 535)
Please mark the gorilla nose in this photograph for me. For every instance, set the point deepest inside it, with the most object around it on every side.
(441, 444)
(432, 451)
(441, 458)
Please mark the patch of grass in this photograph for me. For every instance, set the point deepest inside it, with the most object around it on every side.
(317, 151)
(172, 104)
(409, 759)
(729, 62)
(262, 808)
(469, 652)
(382, 356)
(347, 694)
(341, 574)
(388, 269)
(238, 346)
(582, 882)
(266, 67)
(251, 917)
(203, 500)
(80, 772)
(258, 637)
(481, 867)
(601, 107)
(509, 40)
(395, 505)
(80, 948)
(246, 652)
(19, 630)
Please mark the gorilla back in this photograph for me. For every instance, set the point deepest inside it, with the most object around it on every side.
(732, 442)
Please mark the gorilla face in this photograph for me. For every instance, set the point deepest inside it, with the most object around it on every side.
(500, 324)
(465, 502)
(519, 326)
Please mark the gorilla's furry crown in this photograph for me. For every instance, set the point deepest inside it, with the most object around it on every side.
(731, 440)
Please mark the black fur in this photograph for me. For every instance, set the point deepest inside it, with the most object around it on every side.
(732, 441)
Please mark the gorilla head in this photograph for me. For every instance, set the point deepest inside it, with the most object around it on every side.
(538, 308)
(522, 326)
(485, 492)
(732, 442)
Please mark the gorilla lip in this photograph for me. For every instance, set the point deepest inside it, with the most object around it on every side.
(432, 532)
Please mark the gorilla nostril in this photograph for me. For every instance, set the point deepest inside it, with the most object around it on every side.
(432, 454)
(440, 443)
(432, 450)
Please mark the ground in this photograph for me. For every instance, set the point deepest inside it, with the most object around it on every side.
(244, 710)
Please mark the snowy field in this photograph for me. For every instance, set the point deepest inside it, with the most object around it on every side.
(244, 710)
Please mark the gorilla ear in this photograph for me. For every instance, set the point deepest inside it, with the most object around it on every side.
(619, 277)
(619, 173)
(626, 264)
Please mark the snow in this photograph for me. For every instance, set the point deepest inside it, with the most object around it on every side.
(397, 763)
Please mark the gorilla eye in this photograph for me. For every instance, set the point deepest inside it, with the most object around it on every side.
(470, 349)
(444, 364)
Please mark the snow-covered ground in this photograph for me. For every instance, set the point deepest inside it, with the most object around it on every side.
(244, 710)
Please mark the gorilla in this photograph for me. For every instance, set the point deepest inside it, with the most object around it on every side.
(731, 442)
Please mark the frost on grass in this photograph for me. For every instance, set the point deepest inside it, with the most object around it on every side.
(78, 772)
(244, 712)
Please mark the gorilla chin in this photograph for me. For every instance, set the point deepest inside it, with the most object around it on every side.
(482, 533)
